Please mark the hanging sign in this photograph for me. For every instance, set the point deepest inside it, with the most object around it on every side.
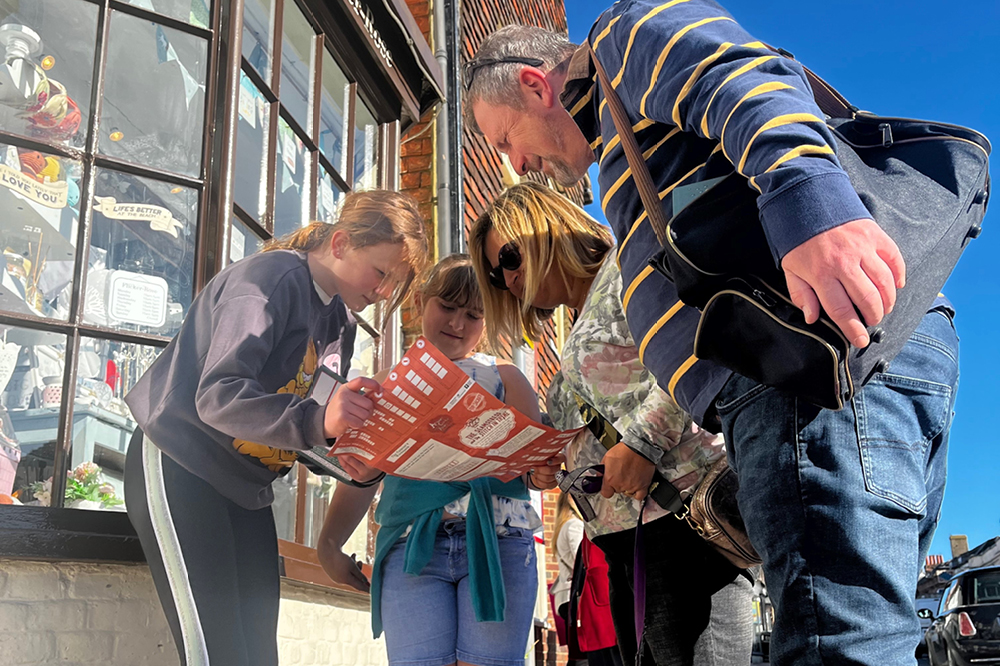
(134, 298)
(50, 195)
(248, 109)
(365, 14)
(159, 218)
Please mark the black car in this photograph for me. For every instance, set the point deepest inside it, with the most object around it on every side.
(966, 630)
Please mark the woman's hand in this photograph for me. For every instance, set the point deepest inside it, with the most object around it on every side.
(626, 472)
(343, 569)
(357, 468)
(544, 478)
(349, 407)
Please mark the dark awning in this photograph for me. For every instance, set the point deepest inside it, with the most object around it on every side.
(395, 66)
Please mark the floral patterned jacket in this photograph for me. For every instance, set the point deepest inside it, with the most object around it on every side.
(600, 364)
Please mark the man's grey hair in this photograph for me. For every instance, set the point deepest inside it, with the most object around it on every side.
(499, 84)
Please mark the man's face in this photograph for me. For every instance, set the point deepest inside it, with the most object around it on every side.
(542, 137)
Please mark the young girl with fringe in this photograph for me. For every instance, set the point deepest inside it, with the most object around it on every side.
(455, 577)
(223, 410)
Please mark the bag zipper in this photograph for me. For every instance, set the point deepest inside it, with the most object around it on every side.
(824, 343)
(869, 116)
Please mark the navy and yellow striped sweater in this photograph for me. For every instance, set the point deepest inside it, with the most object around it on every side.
(703, 97)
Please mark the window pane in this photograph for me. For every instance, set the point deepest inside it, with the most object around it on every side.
(291, 201)
(285, 488)
(250, 173)
(141, 254)
(102, 423)
(297, 40)
(329, 198)
(39, 209)
(257, 30)
(194, 12)
(336, 96)
(243, 242)
(365, 148)
(363, 361)
(48, 67)
(154, 96)
(319, 492)
(32, 365)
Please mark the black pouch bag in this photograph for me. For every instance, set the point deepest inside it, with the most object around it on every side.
(926, 184)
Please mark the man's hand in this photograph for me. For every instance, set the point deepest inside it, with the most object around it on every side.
(855, 264)
(349, 407)
(359, 471)
(626, 472)
(343, 569)
(544, 478)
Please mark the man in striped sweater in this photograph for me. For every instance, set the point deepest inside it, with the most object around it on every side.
(841, 505)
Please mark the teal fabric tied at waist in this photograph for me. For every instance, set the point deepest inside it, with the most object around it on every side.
(421, 503)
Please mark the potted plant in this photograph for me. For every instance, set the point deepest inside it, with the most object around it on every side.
(84, 489)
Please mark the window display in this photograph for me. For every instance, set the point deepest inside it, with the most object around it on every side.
(365, 148)
(47, 70)
(297, 64)
(250, 169)
(40, 198)
(195, 12)
(154, 96)
(291, 198)
(334, 100)
(257, 28)
(32, 365)
(141, 254)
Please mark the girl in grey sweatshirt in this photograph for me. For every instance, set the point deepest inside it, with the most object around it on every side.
(223, 411)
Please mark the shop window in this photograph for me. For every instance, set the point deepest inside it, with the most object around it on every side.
(250, 169)
(334, 101)
(154, 96)
(365, 149)
(48, 68)
(141, 259)
(32, 369)
(258, 27)
(92, 288)
(40, 200)
(194, 12)
(243, 242)
(291, 174)
(297, 51)
(286, 493)
(328, 200)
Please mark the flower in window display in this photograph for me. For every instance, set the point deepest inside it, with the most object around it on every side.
(54, 115)
(83, 487)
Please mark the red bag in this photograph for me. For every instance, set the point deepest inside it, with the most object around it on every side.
(595, 629)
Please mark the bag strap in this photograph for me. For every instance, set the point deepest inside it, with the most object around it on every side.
(830, 102)
(828, 99)
(640, 172)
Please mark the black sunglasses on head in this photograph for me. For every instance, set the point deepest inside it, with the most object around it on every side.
(473, 66)
(509, 258)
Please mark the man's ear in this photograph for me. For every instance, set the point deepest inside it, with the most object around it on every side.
(535, 86)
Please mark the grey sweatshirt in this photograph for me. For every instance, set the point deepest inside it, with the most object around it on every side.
(226, 398)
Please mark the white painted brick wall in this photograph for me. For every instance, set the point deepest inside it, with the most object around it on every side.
(73, 614)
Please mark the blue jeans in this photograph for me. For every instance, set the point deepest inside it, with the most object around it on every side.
(842, 505)
(429, 620)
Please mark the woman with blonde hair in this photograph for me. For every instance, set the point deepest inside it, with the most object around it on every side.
(536, 250)
(224, 409)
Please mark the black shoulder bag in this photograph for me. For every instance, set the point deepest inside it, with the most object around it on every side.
(926, 184)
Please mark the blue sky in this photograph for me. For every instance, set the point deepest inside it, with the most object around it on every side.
(914, 59)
